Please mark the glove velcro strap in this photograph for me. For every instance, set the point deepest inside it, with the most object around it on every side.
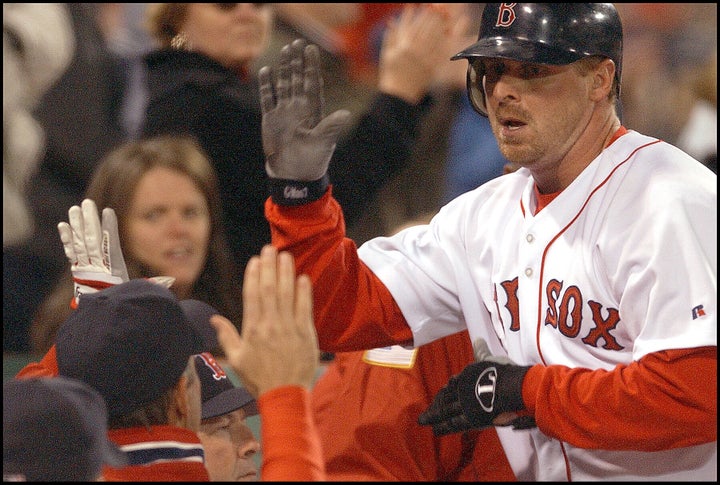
(297, 192)
(96, 279)
(87, 286)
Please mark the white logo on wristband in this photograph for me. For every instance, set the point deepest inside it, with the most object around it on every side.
(291, 192)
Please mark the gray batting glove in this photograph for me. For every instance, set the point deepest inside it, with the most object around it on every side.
(298, 139)
(481, 351)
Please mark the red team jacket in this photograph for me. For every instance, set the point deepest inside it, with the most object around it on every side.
(367, 416)
(160, 453)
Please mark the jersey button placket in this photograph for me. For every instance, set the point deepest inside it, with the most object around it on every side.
(529, 238)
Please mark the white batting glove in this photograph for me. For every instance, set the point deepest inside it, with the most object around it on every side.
(93, 249)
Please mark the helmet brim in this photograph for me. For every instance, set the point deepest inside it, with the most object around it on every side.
(518, 50)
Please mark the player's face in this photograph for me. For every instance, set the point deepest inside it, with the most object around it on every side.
(168, 227)
(537, 111)
(231, 33)
(230, 447)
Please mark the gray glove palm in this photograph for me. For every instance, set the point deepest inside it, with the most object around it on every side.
(297, 139)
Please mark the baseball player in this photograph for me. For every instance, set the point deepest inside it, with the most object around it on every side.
(586, 279)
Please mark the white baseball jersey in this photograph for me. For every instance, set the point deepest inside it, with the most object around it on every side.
(621, 264)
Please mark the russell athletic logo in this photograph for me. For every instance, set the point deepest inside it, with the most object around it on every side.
(698, 312)
(485, 389)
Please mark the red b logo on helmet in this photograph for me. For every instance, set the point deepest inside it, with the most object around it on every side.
(506, 15)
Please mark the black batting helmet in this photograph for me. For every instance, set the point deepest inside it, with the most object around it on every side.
(543, 33)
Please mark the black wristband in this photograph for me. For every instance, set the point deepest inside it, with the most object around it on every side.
(297, 192)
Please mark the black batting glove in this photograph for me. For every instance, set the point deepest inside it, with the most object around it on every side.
(474, 398)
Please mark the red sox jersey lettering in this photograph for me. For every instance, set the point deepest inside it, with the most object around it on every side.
(564, 313)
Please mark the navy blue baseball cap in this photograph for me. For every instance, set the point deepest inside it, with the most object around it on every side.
(55, 429)
(219, 394)
(199, 313)
(131, 342)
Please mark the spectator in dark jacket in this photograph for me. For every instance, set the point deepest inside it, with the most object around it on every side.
(200, 83)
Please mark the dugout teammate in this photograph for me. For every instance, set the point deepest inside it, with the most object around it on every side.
(590, 272)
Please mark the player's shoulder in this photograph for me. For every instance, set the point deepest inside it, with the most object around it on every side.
(634, 144)
(658, 159)
(492, 195)
(655, 177)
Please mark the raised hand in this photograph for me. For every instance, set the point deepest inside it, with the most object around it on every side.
(92, 248)
(415, 49)
(278, 345)
(298, 139)
(94, 252)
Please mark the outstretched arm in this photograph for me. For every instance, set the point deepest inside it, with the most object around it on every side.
(276, 356)
(278, 344)
(298, 142)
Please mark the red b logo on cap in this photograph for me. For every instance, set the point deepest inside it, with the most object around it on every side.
(209, 359)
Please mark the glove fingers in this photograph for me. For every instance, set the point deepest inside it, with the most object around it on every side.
(481, 349)
(67, 240)
(443, 406)
(112, 252)
(282, 84)
(482, 352)
(92, 233)
(75, 217)
(313, 84)
(296, 68)
(267, 99)
(455, 424)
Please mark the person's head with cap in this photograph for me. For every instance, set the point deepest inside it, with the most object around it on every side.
(229, 443)
(134, 343)
(55, 429)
